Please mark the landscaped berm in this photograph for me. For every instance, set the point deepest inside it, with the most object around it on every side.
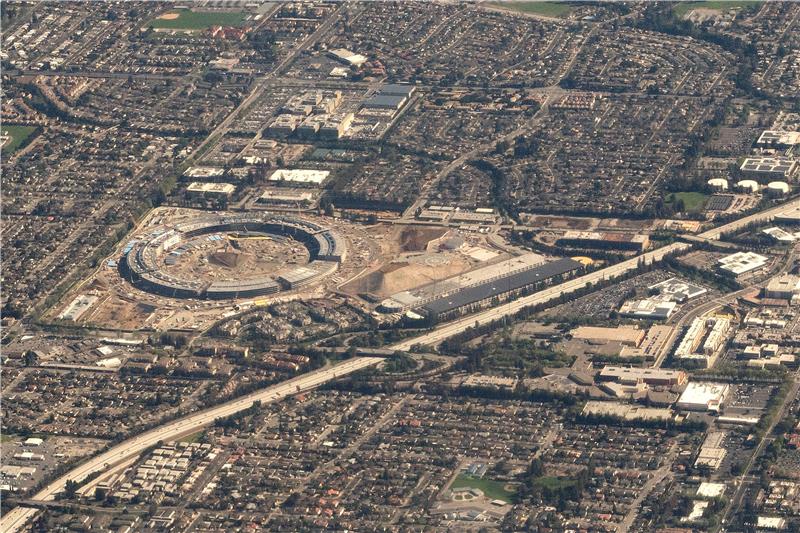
(191, 20)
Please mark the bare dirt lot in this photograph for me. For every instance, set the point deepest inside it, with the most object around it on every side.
(120, 313)
(416, 239)
(401, 276)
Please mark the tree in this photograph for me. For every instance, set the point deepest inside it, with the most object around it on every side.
(30, 358)
(70, 488)
(536, 468)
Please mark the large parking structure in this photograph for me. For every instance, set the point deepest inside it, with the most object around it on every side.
(144, 261)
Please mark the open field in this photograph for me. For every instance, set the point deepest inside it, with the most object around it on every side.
(18, 135)
(693, 202)
(193, 437)
(186, 19)
(682, 8)
(546, 9)
(492, 489)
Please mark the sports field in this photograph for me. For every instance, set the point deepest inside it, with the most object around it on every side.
(186, 19)
(491, 489)
(681, 8)
(546, 9)
(18, 135)
(693, 202)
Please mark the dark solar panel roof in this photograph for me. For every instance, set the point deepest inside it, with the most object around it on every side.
(397, 89)
(499, 286)
(385, 100)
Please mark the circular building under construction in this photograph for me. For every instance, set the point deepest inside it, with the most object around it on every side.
(220, 257)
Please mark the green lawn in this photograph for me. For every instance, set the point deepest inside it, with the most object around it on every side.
(197, 20)
(7, 438)
(192, 437)
(492, 489)
(546, 9)
(693, 202)
(681, 8)
(18, 136)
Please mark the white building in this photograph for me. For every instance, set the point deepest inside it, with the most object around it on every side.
(768, 168)
(649, 309)
(347, 57)
(701, 396)
(786, 287)
(213, 190)
(778, 139)
(703, 341)
(742, 263)
(781, 235)
(299, 176)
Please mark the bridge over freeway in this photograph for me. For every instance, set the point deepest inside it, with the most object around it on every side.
(117, 457)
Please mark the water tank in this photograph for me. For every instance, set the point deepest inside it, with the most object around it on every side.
(718, 184)
(749, 186)
(778, 188)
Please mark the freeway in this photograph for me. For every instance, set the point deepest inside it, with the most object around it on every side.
(761, 216)
(123, 452)
(450, 329)
(551, 293)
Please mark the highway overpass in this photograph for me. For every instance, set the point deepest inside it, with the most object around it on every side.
(450, 329)
(121, 454)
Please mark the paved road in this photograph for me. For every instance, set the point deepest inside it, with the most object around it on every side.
(457, 326)
(123, 452)
(761, 216)
(741, 483)
(450, 329)
(264, 82)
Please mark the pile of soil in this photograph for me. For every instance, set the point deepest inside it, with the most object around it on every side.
(226, 259)
(417, 239)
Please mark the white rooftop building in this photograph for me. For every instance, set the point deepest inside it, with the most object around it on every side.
(649, 309)
(702, 396)
(211, 189)
(347, 57)
(300, 176)
(786, 287)
(778, 139)
(742, 263)
(781, 235)
(677, 290)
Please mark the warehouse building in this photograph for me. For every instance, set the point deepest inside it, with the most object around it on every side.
(625, 335)
(347, 57)
(789, 216)
(786, 287)
(390, 96)
(299, 177)
(702, 396)
(482, 295)
(768, 168)
(650, 376)
(291, 197)
(419, 296)
(210, 190)
(741, 263)
(648, 309)
(780, 235)
(780, 140)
